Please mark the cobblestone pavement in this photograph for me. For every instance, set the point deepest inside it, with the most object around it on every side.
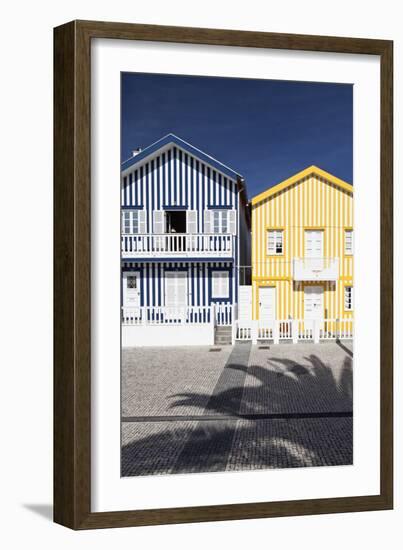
(242, 408)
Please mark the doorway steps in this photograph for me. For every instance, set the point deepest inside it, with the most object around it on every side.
(223, 335)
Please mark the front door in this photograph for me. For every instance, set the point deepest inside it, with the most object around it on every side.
(176, 294)
(245, 303)
(267, 305)
(313, 304)
(132, 291)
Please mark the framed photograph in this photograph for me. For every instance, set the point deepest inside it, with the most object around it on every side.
(223, 273)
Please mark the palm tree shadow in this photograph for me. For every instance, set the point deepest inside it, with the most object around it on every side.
(235, 442)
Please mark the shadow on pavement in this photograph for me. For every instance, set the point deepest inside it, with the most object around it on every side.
(241, 443)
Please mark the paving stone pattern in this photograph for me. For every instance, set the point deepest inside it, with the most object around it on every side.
(243, 408)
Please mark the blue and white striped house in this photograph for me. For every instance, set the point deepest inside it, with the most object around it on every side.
(185, 235)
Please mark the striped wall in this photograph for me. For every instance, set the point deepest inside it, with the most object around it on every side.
(152, 277)
(174, 178)
(313, 202)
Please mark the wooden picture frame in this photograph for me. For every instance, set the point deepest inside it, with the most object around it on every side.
(72, 270)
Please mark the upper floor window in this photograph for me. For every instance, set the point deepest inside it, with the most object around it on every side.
(348, 298)
(220, 221)
(275, 242)
(133, 221)
(348, 241)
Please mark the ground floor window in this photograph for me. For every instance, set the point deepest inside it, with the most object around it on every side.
(220, 284)
(348, 298)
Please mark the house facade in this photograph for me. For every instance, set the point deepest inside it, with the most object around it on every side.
(302, 258)
(185, 232)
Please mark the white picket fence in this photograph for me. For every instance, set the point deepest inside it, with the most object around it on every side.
(224, 314)
(219, 314)
(295, 330)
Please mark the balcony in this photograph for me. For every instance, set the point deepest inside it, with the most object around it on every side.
(177, 245)
(315, 269)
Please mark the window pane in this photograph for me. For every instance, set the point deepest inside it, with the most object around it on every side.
(131, 282)
(224, 218)
(216, 222)
(348, 298)
(279, 242)
(135, 217)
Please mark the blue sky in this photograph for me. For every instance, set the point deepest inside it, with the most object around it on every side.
(266, 130)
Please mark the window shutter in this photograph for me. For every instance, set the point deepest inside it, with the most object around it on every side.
(191, 221)
(208, 218)
(232, 221)
(142, 221)
(348, 241)
(271, 241)
(158, 219)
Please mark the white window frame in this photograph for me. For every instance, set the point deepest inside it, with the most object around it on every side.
(219, 214)
(131, 216)
(348, 251)
(223, 280)
(348, 298)
(278, 237)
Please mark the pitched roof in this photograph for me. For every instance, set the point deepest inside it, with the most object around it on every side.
(299, 176)
(175, 140)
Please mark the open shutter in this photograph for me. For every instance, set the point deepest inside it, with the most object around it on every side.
(232, 221)
(158, 221)
(208, 221)
(142, 222)
(191, 221)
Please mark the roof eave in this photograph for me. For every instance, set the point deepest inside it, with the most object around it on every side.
(297, 177)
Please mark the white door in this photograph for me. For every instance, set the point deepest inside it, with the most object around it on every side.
(314, 249)
(267, 305)
(131, 291)
(313, 244)
(176, 294)
(245, 303)
(313, 304)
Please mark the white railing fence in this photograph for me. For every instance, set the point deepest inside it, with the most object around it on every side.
(157, 315)
(176, 244)
(224, 313)
(219, 314)
(295, 330)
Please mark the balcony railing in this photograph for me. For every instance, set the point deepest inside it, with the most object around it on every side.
(315, 269)
(177, 245)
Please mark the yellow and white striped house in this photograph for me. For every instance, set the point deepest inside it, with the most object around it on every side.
(302, 252)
